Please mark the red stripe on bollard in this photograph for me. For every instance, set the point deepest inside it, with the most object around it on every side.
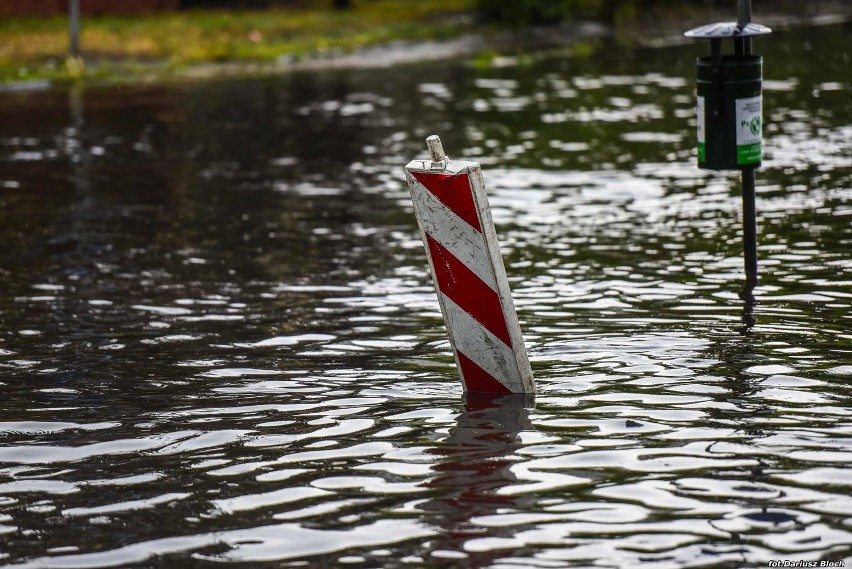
(454, 192)
(477, 379)
(469, 292)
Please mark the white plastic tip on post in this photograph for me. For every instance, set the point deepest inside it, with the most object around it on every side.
(436, 149)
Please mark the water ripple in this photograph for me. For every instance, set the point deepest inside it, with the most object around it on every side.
(219, 342)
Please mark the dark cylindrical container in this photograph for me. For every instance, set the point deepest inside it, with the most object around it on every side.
(729, 109)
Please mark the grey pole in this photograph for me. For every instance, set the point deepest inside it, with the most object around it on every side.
(743, 46)
(743, 13)
(749, 233)
(74, 28)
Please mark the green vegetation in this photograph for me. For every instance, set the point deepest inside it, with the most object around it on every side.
(36, 48)
(130, 48)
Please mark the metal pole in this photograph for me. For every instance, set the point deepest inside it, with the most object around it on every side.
(749, 230)
(749, 209)
(743, 13)
(74, 28)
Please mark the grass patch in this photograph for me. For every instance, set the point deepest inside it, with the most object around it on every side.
(36, 48)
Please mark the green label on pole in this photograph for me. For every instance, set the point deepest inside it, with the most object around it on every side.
(748, 154)
(749, 130)
(699, 115)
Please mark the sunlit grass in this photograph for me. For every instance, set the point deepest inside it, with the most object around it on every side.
(38, 47)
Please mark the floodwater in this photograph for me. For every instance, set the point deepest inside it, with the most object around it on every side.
(219, 343)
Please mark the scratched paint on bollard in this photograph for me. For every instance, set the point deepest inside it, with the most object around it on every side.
(473, 291)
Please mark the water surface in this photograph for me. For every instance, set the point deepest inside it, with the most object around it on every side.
(219, 343)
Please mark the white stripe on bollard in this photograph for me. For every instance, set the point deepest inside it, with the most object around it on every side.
(439, 220)
(461, 245)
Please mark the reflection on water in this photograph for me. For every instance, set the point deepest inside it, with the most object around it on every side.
(219, 342)
(475, 477)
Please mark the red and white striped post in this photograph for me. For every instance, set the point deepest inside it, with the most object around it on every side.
(461, 244)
